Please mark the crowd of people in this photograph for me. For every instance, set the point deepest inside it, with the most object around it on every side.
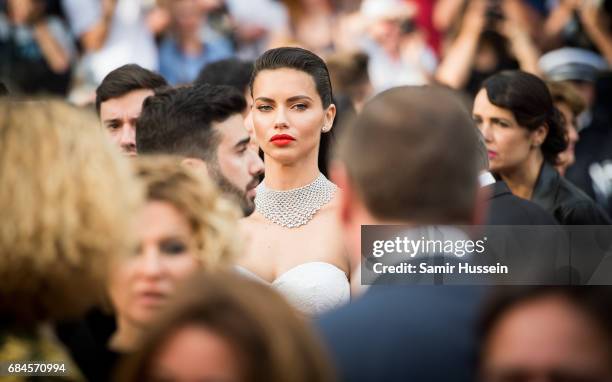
(184, 186)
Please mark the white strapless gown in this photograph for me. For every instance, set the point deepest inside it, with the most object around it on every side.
(313, 288)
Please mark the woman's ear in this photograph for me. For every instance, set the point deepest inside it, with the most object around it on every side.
(538, 136)
(328, 121)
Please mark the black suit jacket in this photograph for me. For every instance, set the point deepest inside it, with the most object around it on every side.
(405, 333)
(568, 204)
(506, 208)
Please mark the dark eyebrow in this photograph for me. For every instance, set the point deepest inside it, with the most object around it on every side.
(290, 99)
(298, 97)
(264, 99)
(242, 142)
(497, 119)
(112, 120)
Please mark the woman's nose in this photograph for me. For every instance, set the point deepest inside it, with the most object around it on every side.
(280, 119)
(151, 265)
(486, 131)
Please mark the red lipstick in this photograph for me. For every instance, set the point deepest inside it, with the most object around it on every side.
(492, 154)
(282, 139)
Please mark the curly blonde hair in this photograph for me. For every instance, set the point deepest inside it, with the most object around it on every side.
(212, 218)
(65, 194)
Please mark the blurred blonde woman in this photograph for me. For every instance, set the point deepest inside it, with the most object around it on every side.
(66, 196)
(228, 328)
(185, 227)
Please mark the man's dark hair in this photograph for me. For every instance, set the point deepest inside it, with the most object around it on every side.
(298, 59)
(231, 72)
(125, 79)
(179, 120)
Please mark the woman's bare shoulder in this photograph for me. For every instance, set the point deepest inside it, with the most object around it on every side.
(252, 220)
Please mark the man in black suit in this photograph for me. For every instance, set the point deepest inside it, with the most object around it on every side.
(410, 157)
(592, 171)
(504, 207)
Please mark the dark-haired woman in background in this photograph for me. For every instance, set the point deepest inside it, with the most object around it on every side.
(524, 135)
(293, 233)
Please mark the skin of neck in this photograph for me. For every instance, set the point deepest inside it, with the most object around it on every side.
(126, 337)
(522, 179)
(191, 45)
(189, 41)
(288, 176)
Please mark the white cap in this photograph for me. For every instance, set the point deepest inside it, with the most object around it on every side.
(572, 64)
(387, 9)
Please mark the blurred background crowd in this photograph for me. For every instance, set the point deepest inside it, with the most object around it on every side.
(66, 48)
(73, 44)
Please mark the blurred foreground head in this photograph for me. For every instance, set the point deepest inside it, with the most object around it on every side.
(548, 334)
(225, 327)
(66, 195)
(410, 156)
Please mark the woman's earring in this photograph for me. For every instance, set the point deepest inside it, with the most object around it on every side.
(324, 129)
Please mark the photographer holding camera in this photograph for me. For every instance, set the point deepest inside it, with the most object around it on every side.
(493, 36)
(397, 48)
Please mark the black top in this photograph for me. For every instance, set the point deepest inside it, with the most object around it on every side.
(87, 341)
(592, 171)
(568, 204)
(505, 208)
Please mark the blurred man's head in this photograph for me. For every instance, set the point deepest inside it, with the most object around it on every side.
(203, 124)
(548, 334)
(349, 76)
(410, 157)
(231, 72)
(119, 101)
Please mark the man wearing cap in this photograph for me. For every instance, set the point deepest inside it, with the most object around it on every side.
(578, 66)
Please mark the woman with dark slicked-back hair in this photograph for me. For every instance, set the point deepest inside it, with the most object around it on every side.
(524, 134)
(295, 203)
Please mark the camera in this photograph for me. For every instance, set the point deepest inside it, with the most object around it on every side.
(494, 14)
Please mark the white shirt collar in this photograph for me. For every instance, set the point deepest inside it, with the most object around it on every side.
(486, 178)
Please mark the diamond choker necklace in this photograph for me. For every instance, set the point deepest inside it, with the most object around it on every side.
(294, 208)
